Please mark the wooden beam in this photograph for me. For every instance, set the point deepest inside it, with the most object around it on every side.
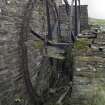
(48, 21)
(51, 43)
(76, 24)
(79, 14)
(87, 36)
(56, 53)
(37, 35)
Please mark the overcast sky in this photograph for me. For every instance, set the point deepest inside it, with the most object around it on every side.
(96, 8)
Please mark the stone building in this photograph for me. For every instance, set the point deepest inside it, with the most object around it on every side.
(83, 15)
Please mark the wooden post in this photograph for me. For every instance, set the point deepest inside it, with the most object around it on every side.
(79, 13)
(76, 21)
(59, 27)
(48, 21)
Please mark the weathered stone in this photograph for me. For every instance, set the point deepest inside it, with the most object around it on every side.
(89, 79)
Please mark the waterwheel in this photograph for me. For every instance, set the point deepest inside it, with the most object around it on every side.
(45, 59)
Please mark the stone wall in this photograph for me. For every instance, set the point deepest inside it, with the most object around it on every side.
(84, 17)
(11, 81)
(12, 86)
(88, 83)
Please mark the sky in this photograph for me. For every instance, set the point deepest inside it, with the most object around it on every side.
(96, 8)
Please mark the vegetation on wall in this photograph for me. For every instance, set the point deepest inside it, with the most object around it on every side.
(99, 97)
(38, 44)
(81, 44)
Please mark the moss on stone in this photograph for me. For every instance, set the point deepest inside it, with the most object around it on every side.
(99, 97)
(89, 58)
(38, 44)
(81, 44)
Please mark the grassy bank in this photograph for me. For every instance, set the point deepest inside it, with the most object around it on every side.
(94, 21)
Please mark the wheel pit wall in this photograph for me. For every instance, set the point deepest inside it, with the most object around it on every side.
(12, 87)
(11, 77)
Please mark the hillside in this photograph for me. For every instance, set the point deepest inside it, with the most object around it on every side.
(96, 21)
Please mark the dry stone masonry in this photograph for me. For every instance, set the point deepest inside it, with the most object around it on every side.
(88, 88)
(12, 87)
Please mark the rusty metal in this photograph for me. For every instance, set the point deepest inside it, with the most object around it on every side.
(24, 53)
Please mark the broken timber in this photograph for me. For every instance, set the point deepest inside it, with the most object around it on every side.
(56, 53)
(54, 50)
(51, 43)
(87, 36)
